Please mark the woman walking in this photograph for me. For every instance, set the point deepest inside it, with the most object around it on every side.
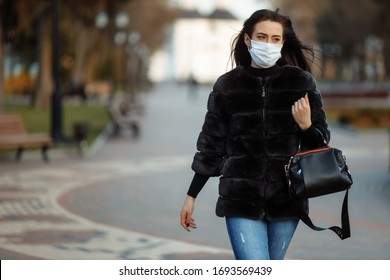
(258, 114)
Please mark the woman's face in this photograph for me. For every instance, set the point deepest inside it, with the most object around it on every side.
(266, 31)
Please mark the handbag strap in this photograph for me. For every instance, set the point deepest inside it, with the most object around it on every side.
(343, 232)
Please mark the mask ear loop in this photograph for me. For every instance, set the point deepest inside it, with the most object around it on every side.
(246, 34)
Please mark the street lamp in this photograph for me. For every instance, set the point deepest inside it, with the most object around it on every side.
(116, 28)
(56, 101)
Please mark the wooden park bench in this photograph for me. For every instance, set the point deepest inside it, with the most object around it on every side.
(13, 135)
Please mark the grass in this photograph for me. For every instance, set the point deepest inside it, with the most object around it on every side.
(96, 116)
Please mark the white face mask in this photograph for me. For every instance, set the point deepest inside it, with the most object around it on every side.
(265, 55)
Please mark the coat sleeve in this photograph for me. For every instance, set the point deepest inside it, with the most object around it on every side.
(318, 134)
(212, 138)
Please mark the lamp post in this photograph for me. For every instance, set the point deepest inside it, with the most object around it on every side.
(56, 99)
(115, 25)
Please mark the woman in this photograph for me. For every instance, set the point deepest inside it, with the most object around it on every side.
(258, 115)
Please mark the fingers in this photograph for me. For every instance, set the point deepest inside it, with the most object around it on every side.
(302, 103)
(187, 222)
(307, 99)
(297, 106)
(184, 223)
(301, 112)
(186, 219)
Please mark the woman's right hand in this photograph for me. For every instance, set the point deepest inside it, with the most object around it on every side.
(186, 219)
(301, 112)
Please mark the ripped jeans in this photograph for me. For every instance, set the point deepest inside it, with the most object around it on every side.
(260, 239)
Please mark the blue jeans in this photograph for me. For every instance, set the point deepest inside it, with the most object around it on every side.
(260, 239)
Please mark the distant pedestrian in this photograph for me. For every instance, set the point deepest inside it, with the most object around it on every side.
(192, 86)
(258, 114)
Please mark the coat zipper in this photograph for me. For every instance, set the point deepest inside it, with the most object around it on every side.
(263, 132)
(262, 82)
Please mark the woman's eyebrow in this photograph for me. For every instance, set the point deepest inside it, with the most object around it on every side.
(262, 33)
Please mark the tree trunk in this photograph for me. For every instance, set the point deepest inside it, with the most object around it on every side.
(85, 41)
(1, 66)
(45, 79)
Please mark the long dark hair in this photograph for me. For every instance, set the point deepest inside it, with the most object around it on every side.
(293, 51)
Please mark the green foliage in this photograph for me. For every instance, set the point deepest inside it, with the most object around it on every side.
(96, 116)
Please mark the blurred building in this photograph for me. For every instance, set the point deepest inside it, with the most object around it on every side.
(199, 43)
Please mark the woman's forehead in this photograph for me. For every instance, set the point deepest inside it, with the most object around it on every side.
(268, 27)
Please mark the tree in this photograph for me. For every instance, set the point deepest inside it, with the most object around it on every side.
(1, 58)
(95, 47)
(341, 28)
(25, 14)
(343, 32)
(85, 45)
(7, 21)
(382, 27)
(45, 84)
(303, 14)
(345, 26)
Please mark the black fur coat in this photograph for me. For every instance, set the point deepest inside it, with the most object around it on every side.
(248, 136)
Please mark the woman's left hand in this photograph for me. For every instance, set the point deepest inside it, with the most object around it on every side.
(301, 112)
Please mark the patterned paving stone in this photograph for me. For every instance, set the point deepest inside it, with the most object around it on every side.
(34, 225)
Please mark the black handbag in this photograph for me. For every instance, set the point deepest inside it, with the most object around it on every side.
(316, 173)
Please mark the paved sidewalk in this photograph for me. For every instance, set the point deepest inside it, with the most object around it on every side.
(35, 222)
(122, 201)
